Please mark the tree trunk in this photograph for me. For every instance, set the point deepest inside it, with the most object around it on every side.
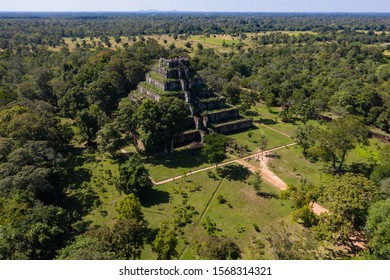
(342, 160)
(172, 143)
(334, 162)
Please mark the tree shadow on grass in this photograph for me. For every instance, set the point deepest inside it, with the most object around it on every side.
(81, 201)
(234, 172)
(80, 198)
(151, 234)
(360, 168)
(252, 113)
(155, 197)
(267, 195)
(185, 159)
(81, 226)
(121, 158)
(266, 121)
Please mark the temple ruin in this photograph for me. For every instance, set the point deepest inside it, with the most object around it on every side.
(209, 111)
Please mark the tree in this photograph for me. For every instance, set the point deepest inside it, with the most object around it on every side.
(340, 137)
(108, 138)
(378, 229)
(164, 245)
(382, 171)
(20, 124)
(219, 248)
(90, 121)
(232, 91)
(257, 182)
(214, 147)
(134, 178)
(30, 229)
(125, 120)
(128, 239)
(210, 226)
(288, 245)
(148, 118)
(306, 216)
(159, 122)
(174, 118)
(348, 198)
(263, 143)
(34, 167)
(305, 137)
(130, 208)
(6, 96)
(73, 101)
(85, 248)
(105, 93)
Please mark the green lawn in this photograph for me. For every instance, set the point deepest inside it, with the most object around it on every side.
(292, 167)
(98, 190)
(164, 166)
(269, 117)
(275, 139)
(234, 219)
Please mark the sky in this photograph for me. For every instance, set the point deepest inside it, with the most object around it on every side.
(199, 5)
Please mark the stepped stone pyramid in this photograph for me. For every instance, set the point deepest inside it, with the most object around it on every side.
(209, 111)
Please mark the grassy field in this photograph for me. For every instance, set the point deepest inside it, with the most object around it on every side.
(235, 218)
(293, 168)
(221, 43)
(275, 139)
(269, 117)
(164, 166)
(97, 193)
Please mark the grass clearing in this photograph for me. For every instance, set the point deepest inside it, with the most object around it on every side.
(221, 43)
(164, 166)
(235, 218)
(270, 117)
(293, 168)
(98, 190)
(275, 139)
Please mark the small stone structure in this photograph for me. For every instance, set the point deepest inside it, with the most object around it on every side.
(209, 111)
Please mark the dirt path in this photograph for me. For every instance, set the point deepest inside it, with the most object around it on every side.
(274, 180)
(266, 173)
(221, 165)
(269, 127)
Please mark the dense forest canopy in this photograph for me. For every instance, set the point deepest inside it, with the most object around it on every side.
(52, 27)
(65, 106)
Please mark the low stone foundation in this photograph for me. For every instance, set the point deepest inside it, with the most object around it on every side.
(149, 93)
(227, 114)
(229, 127)
(188, 137)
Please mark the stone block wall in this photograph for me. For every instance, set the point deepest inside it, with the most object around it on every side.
(173, 63)
(187, 137)
(168, 74)
(212, 104)
(171, 85)
(149, 93)
(233, 126)
(227, 114)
